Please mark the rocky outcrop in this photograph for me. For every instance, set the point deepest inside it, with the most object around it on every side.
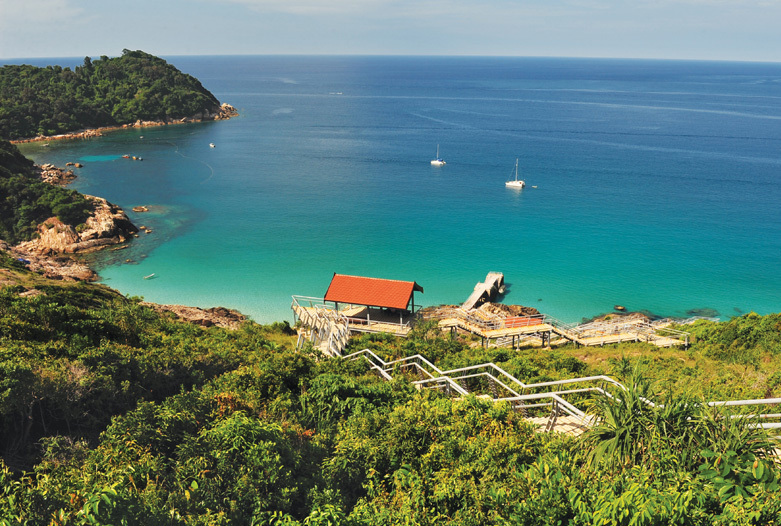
(56, 176)
(507, 311)
(627, 317)
(216, 316)
(50, 266)
(109, 225)
(224, 111)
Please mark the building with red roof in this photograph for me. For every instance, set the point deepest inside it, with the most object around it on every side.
(372, 292)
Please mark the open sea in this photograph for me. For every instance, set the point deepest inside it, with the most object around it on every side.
(651, 184)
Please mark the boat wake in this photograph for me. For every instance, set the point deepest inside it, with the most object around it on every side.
(180, 154)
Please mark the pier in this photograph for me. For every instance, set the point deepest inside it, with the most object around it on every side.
(359, 304)
(541, 329)
(488, 290)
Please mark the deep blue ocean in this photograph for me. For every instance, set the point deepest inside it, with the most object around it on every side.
(651, 184)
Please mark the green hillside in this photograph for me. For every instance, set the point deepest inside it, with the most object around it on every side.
(111, 413)
(26, 201)
(109, 91)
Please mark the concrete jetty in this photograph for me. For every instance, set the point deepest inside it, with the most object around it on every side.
(485, 291)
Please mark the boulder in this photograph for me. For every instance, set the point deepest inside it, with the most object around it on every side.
(108, 225)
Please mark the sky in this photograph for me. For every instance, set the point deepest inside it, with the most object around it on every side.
(744, 30)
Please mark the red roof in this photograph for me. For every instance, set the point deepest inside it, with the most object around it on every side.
(373, 292)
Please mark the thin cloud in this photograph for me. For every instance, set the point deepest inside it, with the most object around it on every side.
(312, 7)
(16, 13)
(718, 3)
(435, 12)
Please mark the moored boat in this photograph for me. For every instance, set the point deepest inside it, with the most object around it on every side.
(515, 183)
(439, 161)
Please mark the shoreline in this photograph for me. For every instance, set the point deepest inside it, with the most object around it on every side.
(66, 268)
(52, 254)
(225, 112)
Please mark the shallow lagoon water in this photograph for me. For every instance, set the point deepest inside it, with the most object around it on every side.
(657, 184)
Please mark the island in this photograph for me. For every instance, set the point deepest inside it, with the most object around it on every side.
(134, 89)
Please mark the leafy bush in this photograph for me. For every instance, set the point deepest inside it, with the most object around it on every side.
(143, 420)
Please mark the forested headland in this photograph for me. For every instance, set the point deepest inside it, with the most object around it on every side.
(26, 201)
(53, 100)
(112, 413)
(105, 92)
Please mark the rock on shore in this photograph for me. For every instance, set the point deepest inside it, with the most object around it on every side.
(56, 176)
(223, 112)
(506, 311)
(50, 266)
(216, 316)
(109, 225)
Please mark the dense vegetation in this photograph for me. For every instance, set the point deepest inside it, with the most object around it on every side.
(113, 414)
(109, 91)
(26, 201)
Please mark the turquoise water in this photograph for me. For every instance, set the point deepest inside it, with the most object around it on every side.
(657, 184)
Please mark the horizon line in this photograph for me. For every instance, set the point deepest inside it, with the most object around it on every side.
(416, 55)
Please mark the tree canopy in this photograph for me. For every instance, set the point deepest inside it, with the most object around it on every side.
(111, 413)
(26, 201)
(108, 91)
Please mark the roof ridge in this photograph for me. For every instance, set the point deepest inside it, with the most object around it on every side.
(367, 277)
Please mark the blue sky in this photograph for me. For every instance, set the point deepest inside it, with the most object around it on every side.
(676, 29)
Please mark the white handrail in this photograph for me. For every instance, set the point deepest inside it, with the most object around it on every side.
(453, 376)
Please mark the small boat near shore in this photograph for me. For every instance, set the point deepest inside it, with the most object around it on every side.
(211, 145)
(515, 183)
(150, 276)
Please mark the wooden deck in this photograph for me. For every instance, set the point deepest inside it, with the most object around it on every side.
(357, 319)
(493, 328)
(542, 326)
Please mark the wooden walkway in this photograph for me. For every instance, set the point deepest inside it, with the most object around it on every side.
(544, 327)
(329, 329)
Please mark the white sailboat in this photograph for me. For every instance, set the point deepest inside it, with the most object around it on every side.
(515, 183)
(438, 161)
